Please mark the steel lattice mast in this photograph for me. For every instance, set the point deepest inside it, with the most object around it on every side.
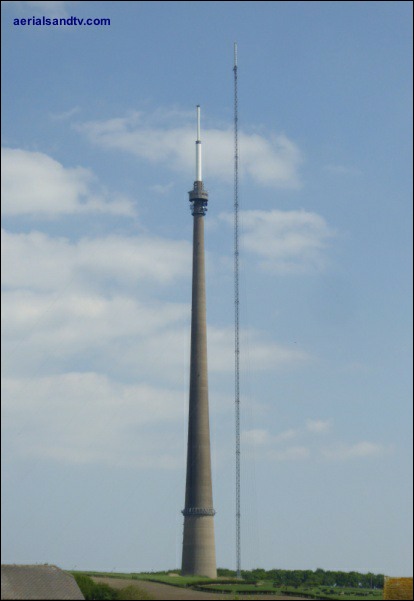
(236, 315)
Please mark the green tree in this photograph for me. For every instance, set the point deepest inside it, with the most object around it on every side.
(225, 573)
(353, 579)
(294, 578)
(248, 576)
(259, 574)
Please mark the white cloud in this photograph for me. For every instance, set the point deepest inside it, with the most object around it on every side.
(49, 7)
(93, 301)
(39, 8)
(65, 114)
(358, 450)
(271, 161)
(80, 320)
(162, 189)
(39, 262)
(298, 453)
(276, 447)
(262, 354)
(255, 437)
(284, 241)
(318, 426)
(263, 437)
(87, 418)
(37, 185)
(286, 435)
(117, 334)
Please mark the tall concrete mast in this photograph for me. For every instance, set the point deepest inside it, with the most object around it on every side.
(199, 554)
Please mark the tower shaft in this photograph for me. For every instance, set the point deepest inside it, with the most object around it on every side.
(199, 556)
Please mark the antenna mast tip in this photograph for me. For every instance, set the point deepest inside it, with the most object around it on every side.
(198, 148)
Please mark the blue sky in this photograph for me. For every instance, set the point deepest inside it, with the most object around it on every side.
(98, 156)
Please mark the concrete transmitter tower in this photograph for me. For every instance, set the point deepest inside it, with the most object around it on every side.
(199, 554)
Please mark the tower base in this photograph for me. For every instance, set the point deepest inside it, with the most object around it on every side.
(199, 551)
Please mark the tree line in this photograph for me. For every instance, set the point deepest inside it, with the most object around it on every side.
(317, 577)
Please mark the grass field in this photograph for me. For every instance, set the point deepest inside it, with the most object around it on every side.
(344, 594)
(234, 588)
(176, 580)
(323, 592)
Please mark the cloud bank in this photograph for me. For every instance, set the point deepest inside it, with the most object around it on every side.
(277, 446)
(269, 161)
(284, 242)
(34, 184)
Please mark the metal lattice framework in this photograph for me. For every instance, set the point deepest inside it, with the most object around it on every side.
(236, 315)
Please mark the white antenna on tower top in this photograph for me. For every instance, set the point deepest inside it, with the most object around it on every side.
(198, 177)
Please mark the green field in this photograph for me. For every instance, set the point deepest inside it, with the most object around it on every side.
(234, 587)
(346, 594)
(181, 581)
(266, 587)
(320, 592)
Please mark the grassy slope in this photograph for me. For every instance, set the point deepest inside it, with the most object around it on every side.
(345, 594)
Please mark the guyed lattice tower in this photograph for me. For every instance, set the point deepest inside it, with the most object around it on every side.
(237, 316)
(199, 553)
